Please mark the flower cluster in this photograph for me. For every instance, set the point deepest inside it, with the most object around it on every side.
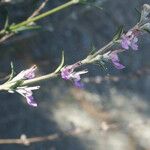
(68, 73)
(129, 40)
(145, 18)
(25, 90)
(145, 12)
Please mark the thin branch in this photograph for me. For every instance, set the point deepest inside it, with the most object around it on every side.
(37, 11)
(33, 19)
(5, 37)
(23, 140)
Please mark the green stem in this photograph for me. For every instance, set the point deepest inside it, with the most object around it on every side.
(6, 86)
(43, 15)
(39, 79)
(91, 58)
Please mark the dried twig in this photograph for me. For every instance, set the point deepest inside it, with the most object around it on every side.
(33, 18)
(23, 140)
(5, 37)
(37, 11)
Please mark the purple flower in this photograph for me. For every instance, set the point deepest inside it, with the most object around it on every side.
(25, 90)
(115, 60)
(129, 40)
(27, 93)
(26, 74)
(30, 73)
(68, 73)
(113, 56)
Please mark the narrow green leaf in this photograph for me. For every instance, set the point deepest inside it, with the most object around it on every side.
(23, 28)
(12, 71)
(6, 23)
(90, 3)
(93, 50)
(138, 13)
(101, 64)
(61, 64)
(118, 33)
(148, 31)
(16, 84)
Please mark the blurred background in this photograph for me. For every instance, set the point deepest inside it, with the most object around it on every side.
(111, 113)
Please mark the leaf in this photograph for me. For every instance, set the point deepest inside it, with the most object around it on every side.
(16, 84)
(61, 64)
(118, 33)
(6, 26)
(138, 13)
(90, 3)
(102, 65)
(147, 30)
(98, 7)
(12, 72)
(93, 50)
(23, 28)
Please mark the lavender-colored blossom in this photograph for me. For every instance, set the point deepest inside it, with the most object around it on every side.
(129, 40)
(25, 90)
(27, 93)
(76, 75)
(68, 73)
(26, 74)
(30, 73)
(113, 56)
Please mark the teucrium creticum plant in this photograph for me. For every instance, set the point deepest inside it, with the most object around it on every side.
(20, 83)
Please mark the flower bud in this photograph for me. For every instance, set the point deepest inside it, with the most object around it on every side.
(145, 12)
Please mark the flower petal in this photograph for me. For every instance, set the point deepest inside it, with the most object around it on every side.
(125, 42)
(27, 93)
(29, 73)
(118, 65)
(129, 40)
(31, 101)
(78, 84)
(134, 45)
(115, 60)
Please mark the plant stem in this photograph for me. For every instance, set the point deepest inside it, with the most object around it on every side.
(39, 17)
(91, 58)
(38, 79)
(43, 15)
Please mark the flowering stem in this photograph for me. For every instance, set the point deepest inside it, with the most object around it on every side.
(104, 49)
(91, 58)
(88, 60)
